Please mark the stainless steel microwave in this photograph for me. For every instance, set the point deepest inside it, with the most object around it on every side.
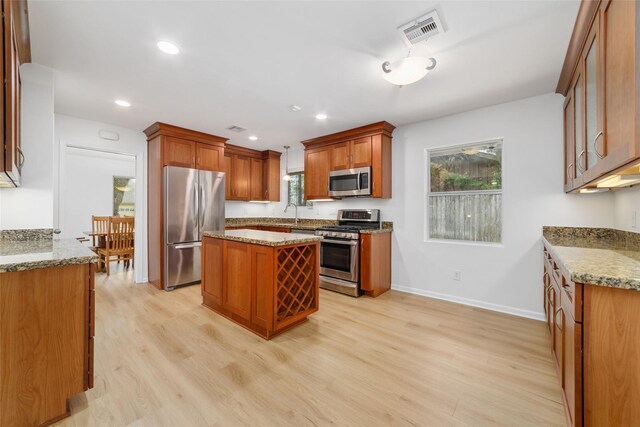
(350, 182)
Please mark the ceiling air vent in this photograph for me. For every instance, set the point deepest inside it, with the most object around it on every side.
(421, 28)
(237, 129)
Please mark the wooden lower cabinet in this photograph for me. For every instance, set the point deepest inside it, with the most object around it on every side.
(264, 289)
(375, 263)
(47, 324)
(595, 341)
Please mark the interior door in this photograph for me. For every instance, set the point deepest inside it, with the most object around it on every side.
(181, 204)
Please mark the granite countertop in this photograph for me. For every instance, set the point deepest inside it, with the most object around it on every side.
(19, 255)
(303, 224)
(264, 238)
(596, 256)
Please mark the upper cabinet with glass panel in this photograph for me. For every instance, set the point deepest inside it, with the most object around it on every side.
(600, 80)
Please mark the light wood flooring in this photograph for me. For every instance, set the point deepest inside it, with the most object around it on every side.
(164, 359)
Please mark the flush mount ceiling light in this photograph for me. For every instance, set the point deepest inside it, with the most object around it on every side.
(253, 138)
(122, 103)
(286, 176)
(321, 116)
(168, 47)
(407, 70)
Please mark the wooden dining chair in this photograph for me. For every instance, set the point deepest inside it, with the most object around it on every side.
(99, 224)
(119, 243)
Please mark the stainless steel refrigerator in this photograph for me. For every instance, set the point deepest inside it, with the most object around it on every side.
(193, 203)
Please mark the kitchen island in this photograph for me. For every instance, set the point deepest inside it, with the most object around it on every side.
(265, 281)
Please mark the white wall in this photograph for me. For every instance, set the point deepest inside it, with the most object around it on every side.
(626, 203)
(75, 132)
(89, 187)
(505, 278)
(31, 204)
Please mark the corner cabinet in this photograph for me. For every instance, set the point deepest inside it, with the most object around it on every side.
(17, 51)
(600, 81)
(366, 146)
(169, 145)
(252, 175)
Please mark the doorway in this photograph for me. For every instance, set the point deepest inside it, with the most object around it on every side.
(102, 183)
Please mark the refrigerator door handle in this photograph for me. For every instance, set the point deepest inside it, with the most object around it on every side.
(201, 205)
(188, 245)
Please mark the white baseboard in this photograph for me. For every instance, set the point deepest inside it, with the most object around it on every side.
(472, 302)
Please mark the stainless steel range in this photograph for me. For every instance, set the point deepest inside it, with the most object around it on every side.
(340, 250)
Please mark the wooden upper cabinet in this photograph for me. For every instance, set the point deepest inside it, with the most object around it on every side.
(252, 174)
(271, 176)
(366, 146)
(600, 76)
(240, 178)
(340, 156)
(569, 143)
(256, 190)
(619, 83)
(209, 157)
(360, 150)
(179, 152)
(317, 164)
(17, 51)
(227, 171)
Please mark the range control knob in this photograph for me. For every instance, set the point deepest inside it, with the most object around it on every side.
(344, 235)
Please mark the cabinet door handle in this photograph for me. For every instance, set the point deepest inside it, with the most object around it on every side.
(578, 161)
(21, 162)
(555, 318)
(569, 174)
(595, 145)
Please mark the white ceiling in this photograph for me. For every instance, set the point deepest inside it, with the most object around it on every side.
(243, 63)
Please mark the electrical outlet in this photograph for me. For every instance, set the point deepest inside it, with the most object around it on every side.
(456, 275)
(634, 219)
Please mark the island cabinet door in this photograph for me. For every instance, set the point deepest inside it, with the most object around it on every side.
(262, 286)
(236, 290)
(212, 269)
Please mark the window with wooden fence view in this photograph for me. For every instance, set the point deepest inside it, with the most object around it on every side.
(464, 196)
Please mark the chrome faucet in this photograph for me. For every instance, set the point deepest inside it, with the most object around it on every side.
(295, 206)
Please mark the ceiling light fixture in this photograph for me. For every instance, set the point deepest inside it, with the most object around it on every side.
(122, 103)
(286, 176)
(253, 138)
(295, 108)
(407, 70)
(321, 116)
(168, 47)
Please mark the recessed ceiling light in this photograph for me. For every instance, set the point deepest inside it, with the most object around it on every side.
(122, 103)
(168, 47)
(295, 108)
(321, 116)
(253, 138)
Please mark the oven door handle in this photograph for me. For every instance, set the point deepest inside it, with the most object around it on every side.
(341, 242)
